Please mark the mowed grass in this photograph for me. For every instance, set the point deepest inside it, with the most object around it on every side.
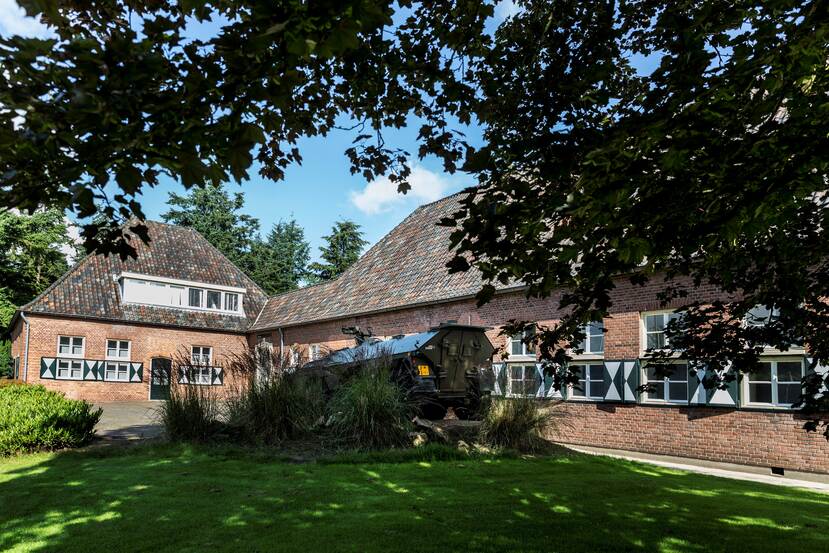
(178, 498)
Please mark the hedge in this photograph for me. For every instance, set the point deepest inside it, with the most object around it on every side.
(34, 418)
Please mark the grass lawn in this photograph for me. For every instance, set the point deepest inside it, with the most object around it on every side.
(176, 498)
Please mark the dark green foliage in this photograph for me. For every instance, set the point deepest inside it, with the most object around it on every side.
(343, 249)
(518, 424)
(191, 413)
(370, 412)
(280, 262)
(215, 214)
(33, 418)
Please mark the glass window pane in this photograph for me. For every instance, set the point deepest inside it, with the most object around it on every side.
(762, 374)
(679, 372)
(596, 372)
(654, 323)
(597, 344)
(656, 341)
(231, 302)
(516, 372)
(658, 392)
(678, 391)
(759, 393)
(214, 299)
(597, 388)
(195, 297)
(789, 371)
(788, 393)
(650, 374)
(578, 389)
(516, 346)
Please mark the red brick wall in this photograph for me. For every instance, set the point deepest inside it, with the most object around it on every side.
(146, 342)
(760, 438)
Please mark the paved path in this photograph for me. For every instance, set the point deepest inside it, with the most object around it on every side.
(129, 420)
(816, 482)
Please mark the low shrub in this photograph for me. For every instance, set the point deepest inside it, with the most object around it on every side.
(515, 424)
(33, 418)
(371, 412)
(273, 409)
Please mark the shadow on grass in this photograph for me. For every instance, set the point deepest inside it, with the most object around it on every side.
(177, 498)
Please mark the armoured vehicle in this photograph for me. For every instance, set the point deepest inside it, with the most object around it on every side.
(448, 366)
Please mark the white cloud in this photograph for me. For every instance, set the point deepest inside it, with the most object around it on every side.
(13, 21)
(381, 195)
(505, 9)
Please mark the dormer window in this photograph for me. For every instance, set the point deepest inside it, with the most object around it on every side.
(168, 292)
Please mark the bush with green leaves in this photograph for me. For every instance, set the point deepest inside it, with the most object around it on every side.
(515, 423)
(34, 418)
(371, 412)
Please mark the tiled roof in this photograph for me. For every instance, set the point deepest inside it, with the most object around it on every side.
(89, 289)
(406, 267)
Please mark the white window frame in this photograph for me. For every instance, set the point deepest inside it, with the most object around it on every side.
(116, 367)
(313, 352)
(526, 354)
(118, 349)
(666, 314)
(296, 356)
(202, 297)
(775, 391)
(198, 359)
(218, 302)
(201, 375)
(226, 296)
(185, 287)
(773, 312)
(586, 387)
(70, 361)
(588, 354)
(510, 379)
(666, 384)
(71, 347)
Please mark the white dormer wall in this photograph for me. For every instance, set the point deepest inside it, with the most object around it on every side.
(142, 289)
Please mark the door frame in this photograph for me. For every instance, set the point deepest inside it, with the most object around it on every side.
(150, 379)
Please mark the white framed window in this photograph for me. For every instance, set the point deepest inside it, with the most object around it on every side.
(231, 301)
(313, 352)
(201, 355)
(654, 327)
(118, 349)
(214, 299)
(593, 343)
(523, 380)
(194, 297)
(296, 356)
(760, 316)
(672, 388)
(591, 382)
(777, 382)
(201, 375)
(117, 372)
(517, 346)
(70, 369)
(71, 346)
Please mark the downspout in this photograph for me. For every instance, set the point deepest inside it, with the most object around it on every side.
(25, 349)
(281, 342)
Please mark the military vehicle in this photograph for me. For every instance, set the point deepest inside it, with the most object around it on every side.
(448, 366)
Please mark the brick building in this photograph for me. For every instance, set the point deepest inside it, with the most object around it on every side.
(108, 328)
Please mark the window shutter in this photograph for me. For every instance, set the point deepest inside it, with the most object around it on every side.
(630, 380)
(136, 372)
(100, 367)
(500, 370)
(696, 391)
(48, 367)
(822, 370)
(549, 391)
(539, 380)
(90, 370)
(218, 376)
(612, 380)
(182, 376)
(728, 397)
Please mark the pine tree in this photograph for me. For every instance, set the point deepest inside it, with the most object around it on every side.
(215, 214)
(281, 260)
(343, 249)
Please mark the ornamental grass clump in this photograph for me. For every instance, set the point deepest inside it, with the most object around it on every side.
(34, 418)
(191, 413)
(518, 424)
(270, 401)
(370, 411)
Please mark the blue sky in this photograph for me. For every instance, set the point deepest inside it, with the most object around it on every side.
(322, 189)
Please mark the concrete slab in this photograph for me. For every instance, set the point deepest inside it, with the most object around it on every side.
(793, 479)
(129, 420)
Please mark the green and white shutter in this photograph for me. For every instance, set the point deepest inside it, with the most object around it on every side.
(136, 372)
(724, 397)
(48, 367)
(218, 376)
(183, 376)
(613, 372)
(91, 370)
(549, 390)
(696, 391)
(630, 380)
(822, 370)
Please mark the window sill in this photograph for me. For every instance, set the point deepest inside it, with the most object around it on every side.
(521, 359)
